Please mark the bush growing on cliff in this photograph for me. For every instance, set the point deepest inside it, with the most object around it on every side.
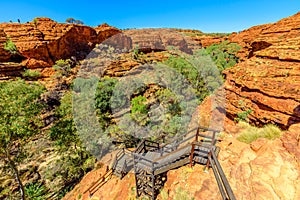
(35, 22)
(62, 68)
(31, 74)
(10, 46)
(243, 116)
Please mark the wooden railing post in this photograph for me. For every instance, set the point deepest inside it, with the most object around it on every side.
(192, 155)
(197, 134)
(208, 162)
(213, 138)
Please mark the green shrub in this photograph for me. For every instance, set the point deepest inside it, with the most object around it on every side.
(35, 22)
(62, 68)
(138, 104)
(168, 98)
(190, 72)
(35, 191)
(135, 52)
(104, 92)
(199, 70)
(139, 109)
(20, 111)
(243, 116)
(252, 133)
(10, 46)
(31, 74)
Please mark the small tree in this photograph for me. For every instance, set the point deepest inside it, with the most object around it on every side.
(19, 110)
(70, 20)
(74, 21)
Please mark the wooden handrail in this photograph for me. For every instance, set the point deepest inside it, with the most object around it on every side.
(140, 147)
(222, 176)
(208, 129)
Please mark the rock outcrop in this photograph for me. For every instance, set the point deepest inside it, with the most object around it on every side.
(267, 84)
(204, 39)
(148, 40)
(43, 41)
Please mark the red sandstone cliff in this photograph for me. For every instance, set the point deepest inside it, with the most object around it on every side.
(43, 41)
(268, 82)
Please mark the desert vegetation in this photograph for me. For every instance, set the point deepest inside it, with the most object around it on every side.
(31, 74)
(22, 106)
(251, 133)
(72, 160)
(10, 46)
(74, 21)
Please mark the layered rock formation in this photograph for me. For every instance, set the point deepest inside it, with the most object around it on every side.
(148, 40)
(43, 41)
(267, 85)
(203, 39)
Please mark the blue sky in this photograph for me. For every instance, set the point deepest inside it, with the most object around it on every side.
(204, 15)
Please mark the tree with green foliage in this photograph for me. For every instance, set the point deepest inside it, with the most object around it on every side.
(19, 110)
(73, 21)
(103, 95)
(70, 20)
(35, 22)
(10, 46)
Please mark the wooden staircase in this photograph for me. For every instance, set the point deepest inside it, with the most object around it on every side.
(151, 161)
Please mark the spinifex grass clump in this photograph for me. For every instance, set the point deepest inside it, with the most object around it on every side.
(252, 133)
